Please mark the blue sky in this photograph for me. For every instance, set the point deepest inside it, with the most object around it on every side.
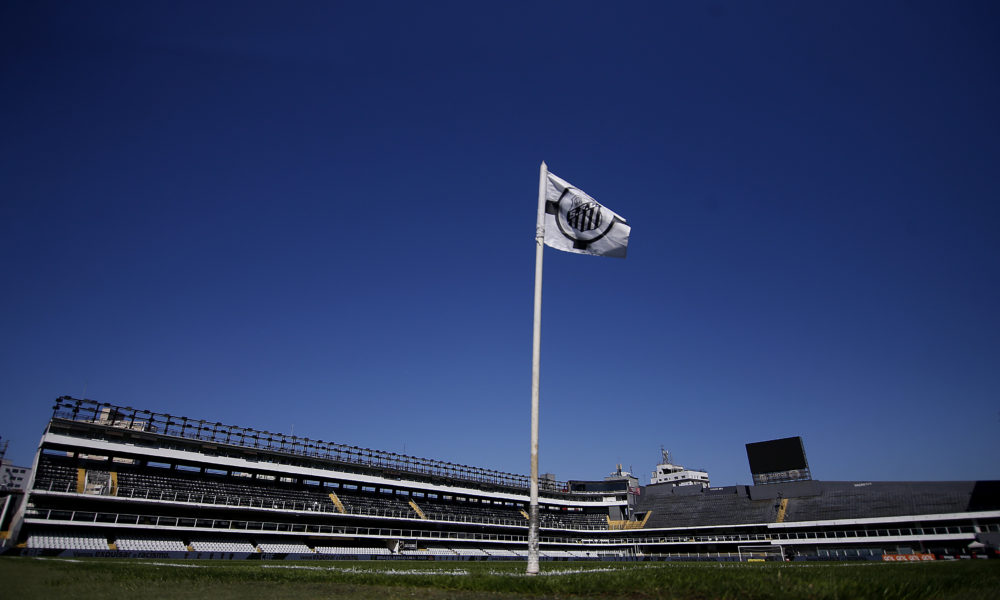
(318, 218)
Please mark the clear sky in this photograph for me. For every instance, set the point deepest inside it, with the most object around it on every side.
(318, 218)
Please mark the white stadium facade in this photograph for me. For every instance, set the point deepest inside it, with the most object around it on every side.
(122, 482)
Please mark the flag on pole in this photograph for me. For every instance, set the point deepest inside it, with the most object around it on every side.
(575, 222)
(570, 220)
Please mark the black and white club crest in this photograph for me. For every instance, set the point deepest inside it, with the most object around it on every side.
(584, 216)
(580, 218)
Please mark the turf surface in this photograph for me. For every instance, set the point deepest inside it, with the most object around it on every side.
(27, 578)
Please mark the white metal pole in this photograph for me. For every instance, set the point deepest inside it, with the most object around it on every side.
(536, 344)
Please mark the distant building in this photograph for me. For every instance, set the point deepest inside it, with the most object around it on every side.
(616, 479)
(676, 475)
(13, 477)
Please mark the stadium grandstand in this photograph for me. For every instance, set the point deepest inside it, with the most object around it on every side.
(116, 481)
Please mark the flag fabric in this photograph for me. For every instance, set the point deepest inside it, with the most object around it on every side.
(575, 222)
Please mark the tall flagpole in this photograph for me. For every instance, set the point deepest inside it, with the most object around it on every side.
(536, 344)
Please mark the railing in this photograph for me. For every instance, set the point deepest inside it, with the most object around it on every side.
(221, 500)
(156, 521)
(77, 516)
(98, 517)
(89, 411)
(290, 505)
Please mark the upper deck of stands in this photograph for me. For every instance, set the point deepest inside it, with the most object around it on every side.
(812, 501)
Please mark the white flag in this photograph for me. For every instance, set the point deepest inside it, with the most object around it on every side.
(575, 222)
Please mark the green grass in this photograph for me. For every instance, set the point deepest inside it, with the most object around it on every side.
(127, 579)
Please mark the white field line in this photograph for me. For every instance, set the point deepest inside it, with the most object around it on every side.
(403, 572)
(449, 572)
(463, 572)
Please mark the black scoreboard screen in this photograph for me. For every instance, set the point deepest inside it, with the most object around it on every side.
(786, 454)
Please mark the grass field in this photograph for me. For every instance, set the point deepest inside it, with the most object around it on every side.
(104, 579)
